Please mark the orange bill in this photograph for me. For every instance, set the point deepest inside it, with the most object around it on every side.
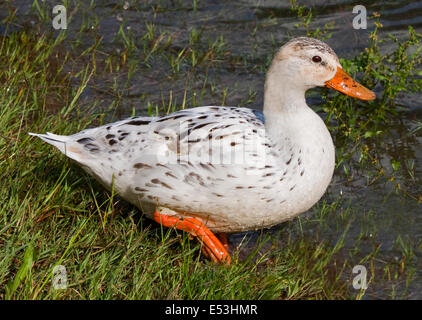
(345, 84)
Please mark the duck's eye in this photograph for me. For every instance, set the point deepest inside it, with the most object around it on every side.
(316, 59)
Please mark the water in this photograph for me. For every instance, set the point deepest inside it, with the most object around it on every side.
(254, 29)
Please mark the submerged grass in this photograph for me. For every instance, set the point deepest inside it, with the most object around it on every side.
(52, 213)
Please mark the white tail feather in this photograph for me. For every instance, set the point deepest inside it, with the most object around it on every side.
(63, 143)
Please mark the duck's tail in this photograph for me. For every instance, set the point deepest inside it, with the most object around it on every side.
(65, 144)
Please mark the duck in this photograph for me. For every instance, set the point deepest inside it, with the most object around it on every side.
(214, 170)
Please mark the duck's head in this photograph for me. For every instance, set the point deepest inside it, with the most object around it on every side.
(306, 63)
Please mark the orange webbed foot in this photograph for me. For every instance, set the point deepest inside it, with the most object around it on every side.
(210, 243)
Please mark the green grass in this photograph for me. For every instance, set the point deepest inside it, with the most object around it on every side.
(52, 213)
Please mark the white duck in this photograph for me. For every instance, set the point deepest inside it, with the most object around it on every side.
(224, 169)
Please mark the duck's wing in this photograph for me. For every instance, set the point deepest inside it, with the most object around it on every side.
(259, 115)
(207, 135)
(201, 136)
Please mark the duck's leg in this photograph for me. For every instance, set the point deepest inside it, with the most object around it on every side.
(212, 246)
(223, 239)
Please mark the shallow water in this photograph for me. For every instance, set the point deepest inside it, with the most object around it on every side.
(255, 29)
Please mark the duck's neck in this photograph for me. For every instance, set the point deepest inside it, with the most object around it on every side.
(284, 101)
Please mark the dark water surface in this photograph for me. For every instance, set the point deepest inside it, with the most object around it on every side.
(382, 220)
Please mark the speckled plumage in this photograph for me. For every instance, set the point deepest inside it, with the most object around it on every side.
(222, 165)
